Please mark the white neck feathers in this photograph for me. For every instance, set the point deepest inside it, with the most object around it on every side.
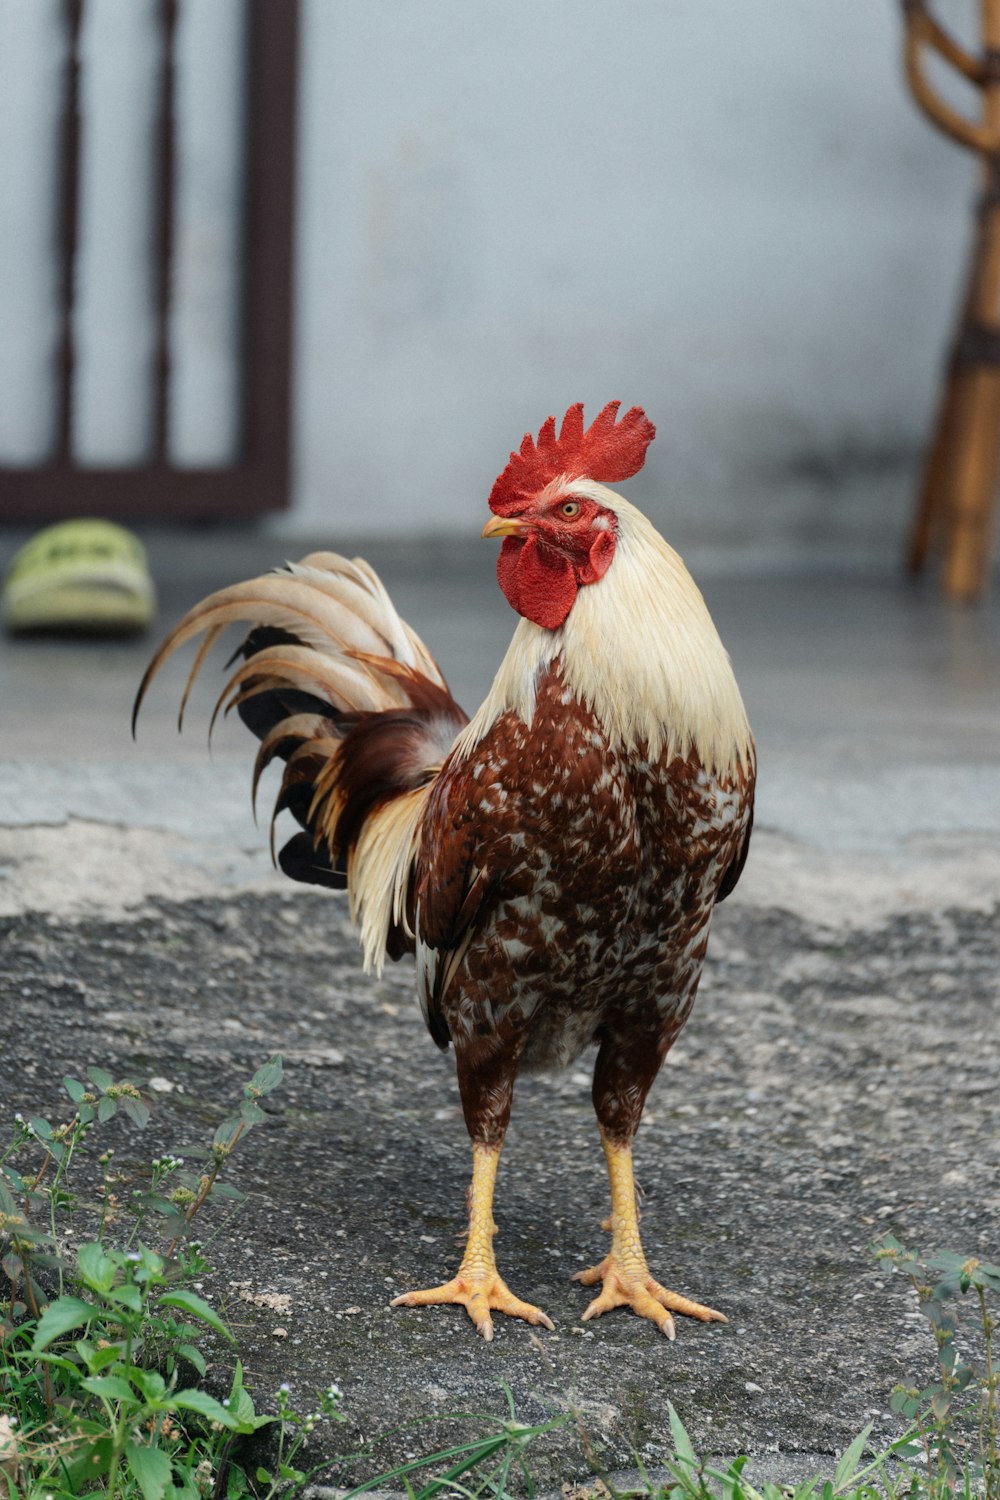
(640, 649)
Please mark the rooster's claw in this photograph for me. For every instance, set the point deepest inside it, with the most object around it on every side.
(479, 1295)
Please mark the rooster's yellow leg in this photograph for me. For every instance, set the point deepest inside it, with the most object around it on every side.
(624, 1272)
(478, 1287)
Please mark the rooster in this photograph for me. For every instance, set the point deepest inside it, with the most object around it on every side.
(553, 863)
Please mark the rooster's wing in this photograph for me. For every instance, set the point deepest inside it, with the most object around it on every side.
(458, 879)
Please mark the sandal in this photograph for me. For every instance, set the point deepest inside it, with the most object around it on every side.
(81, 576)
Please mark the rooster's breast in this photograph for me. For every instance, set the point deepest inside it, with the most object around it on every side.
(597, 870)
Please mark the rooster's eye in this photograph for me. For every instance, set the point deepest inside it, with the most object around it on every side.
(569, 509)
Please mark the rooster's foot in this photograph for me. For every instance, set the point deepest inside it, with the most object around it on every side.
(628, 1284)
(624, 1272)
(477, 1287)
(480, 1292)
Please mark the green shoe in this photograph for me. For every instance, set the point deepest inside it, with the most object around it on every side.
(81, 576)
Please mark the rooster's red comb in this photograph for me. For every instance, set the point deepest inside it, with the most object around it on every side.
(607, 452)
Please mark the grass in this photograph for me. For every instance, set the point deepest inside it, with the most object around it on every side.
(99, 1344)
(103, 1353)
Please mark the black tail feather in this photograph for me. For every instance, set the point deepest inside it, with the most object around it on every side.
(300, 859)
(264, 710)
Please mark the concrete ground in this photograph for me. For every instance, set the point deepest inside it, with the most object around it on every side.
(838, 1076)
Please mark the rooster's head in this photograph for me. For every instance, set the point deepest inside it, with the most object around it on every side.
(558, 537)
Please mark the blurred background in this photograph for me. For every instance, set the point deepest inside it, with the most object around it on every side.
(350, 252)
(276, 275)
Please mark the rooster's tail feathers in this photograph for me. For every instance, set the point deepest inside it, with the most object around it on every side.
(338, 686)
(338, 608)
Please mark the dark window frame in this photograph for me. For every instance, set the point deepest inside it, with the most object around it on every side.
(257, 480)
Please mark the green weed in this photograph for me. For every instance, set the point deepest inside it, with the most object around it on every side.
(96, 1341)
(101, 1352)
(956, 1419)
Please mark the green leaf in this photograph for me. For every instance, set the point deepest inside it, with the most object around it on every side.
(205, 1405)
(237, 1487)
(96, 1268)
(941, 1405)
(80, 1467)
(733, 1488)
(267, 1078)
(126, 1295)
(907, 1448)
(847, 1464)
(24, 1234)
(240, 1403)
(100, 1078)
(111, 1387)
(96, 1359)
(151, 1264)
(136, 1110)
(149, 1382)
(74, 1088)
(987, 1276)
(194, 1357)
(190, 1302)
(945, 1260)
(682, 1443)
(60, 1362)
(226, 1131)
(154, 1204)
(58, 1318)
(30, 1234)
(41, 1128)
(251, 1113)
(150, 1467)
(241, 1406)
(107, 1109)
(225, 1190)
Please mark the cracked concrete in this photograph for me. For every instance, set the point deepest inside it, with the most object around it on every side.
(838, 1076)
(816, 1098)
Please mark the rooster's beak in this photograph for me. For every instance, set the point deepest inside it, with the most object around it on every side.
(506, 526)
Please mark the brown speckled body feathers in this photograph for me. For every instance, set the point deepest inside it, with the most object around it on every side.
(563, 895)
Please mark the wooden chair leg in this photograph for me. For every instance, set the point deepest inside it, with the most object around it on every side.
(932, 500)
(958, 493)
(972, 493)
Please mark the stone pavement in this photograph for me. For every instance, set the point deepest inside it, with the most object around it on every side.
(837, 1078)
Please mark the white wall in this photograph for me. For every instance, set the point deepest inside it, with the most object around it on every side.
(730, 213)
(727, 211)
